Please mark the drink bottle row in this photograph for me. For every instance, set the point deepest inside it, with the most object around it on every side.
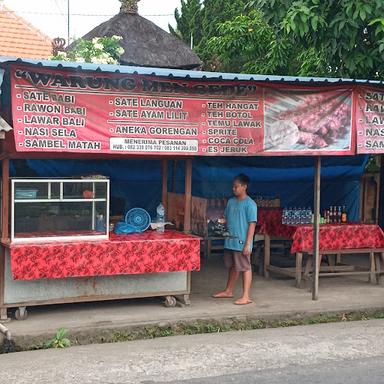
(335, 214)
(295, 216)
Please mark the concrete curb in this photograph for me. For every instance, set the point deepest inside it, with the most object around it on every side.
(96, 334)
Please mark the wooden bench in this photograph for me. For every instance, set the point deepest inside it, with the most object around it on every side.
(303, 273)
(337, 268)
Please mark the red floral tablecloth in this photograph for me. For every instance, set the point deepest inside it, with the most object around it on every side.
(147, 252)
(338, 237)
(332, 236)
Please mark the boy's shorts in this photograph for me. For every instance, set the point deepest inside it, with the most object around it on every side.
(238, 260)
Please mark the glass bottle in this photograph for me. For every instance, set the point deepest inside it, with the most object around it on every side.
(284, 216)
(160, 210)
(100, 223)
(344, 215)
(339, 214)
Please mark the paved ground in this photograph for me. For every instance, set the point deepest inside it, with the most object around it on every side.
(273, 298)
(329, 353)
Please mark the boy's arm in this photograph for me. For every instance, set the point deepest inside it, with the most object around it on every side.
(252, 218)
(249, 239)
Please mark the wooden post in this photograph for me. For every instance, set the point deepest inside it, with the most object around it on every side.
(267, 255)
(299, 268)
(188, 195)
(381, 190)
(174, 176)
(378, 193)
(362, 198)
(3, 310)
(4, 232)
(5, 201)
(316, 230)
(164, 174)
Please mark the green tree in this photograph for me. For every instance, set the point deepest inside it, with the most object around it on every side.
(343, 38)
(216, 12)
(188, 22)
(198, 20)
(241, 44)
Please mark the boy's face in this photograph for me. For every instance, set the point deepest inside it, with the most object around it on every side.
(238, 188)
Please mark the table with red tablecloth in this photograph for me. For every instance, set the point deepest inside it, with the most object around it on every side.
(334, 239)
(140, 253)
(337, 240)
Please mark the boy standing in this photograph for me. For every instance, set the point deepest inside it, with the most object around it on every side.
(241, 217)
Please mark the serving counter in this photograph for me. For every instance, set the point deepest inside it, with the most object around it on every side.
(125, 266)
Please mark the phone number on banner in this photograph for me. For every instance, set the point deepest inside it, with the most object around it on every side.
(152, 145)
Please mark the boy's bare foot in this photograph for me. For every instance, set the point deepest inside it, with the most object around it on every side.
(243, 301)
(223, 295)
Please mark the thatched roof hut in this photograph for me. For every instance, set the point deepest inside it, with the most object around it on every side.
(144, 43)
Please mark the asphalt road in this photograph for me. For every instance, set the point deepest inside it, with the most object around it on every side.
(359, 371)
(330, 353)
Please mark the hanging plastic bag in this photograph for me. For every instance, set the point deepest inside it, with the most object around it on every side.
(122, 228)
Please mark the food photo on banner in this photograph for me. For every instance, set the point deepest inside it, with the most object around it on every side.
(306, 120)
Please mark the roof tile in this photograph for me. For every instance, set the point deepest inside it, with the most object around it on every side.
(21, 39)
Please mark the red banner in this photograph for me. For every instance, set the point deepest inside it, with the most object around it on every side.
(66, 111)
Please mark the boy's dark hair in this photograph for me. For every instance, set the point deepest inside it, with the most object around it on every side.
(242, 179)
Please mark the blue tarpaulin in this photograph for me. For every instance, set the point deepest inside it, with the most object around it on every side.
(137, 183)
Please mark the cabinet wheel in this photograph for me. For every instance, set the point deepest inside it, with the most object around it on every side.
(170, 301)
(21, 313)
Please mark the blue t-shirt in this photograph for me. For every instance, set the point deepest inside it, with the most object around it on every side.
(239, 213)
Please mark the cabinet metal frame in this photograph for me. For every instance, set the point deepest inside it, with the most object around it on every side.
(61, 199)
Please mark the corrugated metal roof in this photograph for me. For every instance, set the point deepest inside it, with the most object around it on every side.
(178, 73)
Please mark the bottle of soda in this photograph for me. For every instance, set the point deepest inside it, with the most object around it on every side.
(295, 216)
(288, 216)
(300, 215)
(344, 215)
(284, 216)
(339, 214)
(309, 215)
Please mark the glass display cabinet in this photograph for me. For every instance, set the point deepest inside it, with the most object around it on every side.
(59, 209)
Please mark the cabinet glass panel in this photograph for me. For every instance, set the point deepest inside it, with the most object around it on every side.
(31, 191)
(59, 208)
(55, 190)
(100, 190)
(78, 190)
(53, 219)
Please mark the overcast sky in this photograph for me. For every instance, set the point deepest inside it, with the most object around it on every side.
(50, 16)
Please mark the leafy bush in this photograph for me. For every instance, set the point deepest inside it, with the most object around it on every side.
(99, 50)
